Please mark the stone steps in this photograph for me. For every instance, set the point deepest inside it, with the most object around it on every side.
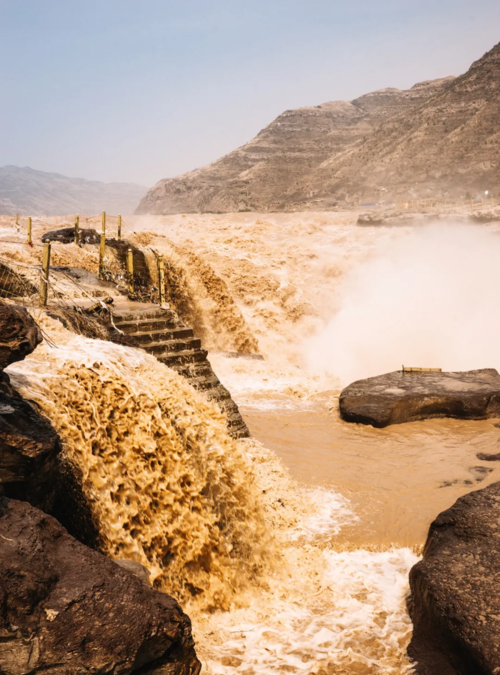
(182, 357)
(145, 325)
(161, 333)
(167, 346)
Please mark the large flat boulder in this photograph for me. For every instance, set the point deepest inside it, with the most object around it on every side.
(66, 609)
(405, 397)
(455, 590)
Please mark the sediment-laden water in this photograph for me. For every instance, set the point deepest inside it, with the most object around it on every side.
(290, 551)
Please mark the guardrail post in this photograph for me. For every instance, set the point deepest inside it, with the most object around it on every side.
(44, 283)
(161, 279)
(102, 247)
(130, 270)
(119, 228)
(29, 239)
(77, 230)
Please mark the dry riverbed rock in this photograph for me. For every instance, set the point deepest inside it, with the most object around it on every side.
(68, 610)
(455, 604)
(405, 397)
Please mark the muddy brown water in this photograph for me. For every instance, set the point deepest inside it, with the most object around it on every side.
(397, 479)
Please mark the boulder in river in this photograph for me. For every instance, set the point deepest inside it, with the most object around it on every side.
(66, 609)
(409, 396)
(455, 590)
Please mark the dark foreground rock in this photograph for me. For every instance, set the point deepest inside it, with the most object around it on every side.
(455, 589)
(396, 397)
(19, 334)
(67, 610)
(29, 447)
(28, 444)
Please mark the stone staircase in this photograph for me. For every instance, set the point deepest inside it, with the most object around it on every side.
(161, 333)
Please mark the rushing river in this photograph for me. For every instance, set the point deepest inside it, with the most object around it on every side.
(306, 533)
(330, 302)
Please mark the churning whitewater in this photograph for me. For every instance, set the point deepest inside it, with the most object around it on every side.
(290, 552)
(220, 524)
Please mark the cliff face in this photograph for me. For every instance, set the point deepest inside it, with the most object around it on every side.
(448, 143)
(441, 136)
(272, 172)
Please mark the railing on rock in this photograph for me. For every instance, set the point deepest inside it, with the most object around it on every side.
(44, 284)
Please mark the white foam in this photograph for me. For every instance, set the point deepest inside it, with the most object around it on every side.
(331, 512)
(352, 616)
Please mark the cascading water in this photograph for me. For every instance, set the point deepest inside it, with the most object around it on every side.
(277, 575)
(166, 484)
(200, 297)
(220, 524)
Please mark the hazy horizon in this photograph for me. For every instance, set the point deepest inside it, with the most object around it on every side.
(127, 92)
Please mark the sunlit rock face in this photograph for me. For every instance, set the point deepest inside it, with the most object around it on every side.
(285, 167)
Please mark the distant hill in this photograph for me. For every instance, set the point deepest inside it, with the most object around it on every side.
(440, 136)
(36, 193)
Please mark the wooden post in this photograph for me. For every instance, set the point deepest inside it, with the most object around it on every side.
(102, 247)
(29, 239)
(130, 270)
(77, 230)
(44, 283)
(17, 218)
(161, 279)
(119, 228)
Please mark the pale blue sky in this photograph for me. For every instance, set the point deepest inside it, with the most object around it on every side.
(138, 90)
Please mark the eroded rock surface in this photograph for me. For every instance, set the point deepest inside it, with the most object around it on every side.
(65, 609)
(455, 605)
(405, 397)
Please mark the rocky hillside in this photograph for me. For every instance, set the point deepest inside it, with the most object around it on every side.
(36, 193)
(450, 143)
(436, 137)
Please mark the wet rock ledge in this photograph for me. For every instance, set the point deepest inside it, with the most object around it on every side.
(455, 590)
(406, 397)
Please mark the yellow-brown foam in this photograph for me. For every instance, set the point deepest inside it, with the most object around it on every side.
(167, 485)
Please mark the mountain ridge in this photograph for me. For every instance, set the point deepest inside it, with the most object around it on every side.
(27, 191)
(386, 145)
